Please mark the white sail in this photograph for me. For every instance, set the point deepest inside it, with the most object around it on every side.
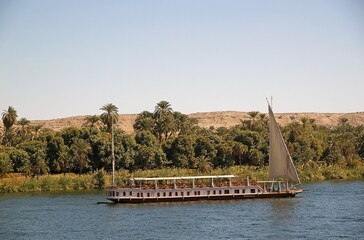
(280, 161)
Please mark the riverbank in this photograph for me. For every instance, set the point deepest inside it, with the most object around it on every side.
(100, 179)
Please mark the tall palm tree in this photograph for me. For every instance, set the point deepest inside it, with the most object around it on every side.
(162, 109)
(165, 123)
(109, 117)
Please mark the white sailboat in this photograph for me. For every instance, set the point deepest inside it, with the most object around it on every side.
(193, 188)
(280, 161)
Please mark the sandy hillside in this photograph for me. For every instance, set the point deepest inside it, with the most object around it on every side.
(216, 119)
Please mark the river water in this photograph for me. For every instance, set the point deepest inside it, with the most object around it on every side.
(327, 210)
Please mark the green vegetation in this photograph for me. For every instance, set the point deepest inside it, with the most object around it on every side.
(166, 143)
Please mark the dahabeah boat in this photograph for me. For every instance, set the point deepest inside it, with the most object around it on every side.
(193, 188)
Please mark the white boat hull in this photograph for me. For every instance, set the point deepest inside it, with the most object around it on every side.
(137, 195)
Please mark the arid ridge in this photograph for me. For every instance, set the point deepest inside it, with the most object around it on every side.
(215, 119)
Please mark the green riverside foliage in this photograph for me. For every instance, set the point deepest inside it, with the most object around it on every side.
(167, 143)
(55, 182)
(100, 180)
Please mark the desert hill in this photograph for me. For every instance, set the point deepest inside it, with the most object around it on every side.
(215, 119)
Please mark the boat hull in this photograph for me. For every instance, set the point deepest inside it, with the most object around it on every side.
(259, 193)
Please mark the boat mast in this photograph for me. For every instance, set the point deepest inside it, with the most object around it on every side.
(280, 161)
(112, 152)
(271, 104)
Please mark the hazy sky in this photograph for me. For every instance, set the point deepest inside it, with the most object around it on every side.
(69, 58)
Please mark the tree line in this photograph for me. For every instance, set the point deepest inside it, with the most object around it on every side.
(169, 139)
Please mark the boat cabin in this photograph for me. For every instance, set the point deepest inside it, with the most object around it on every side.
(191, 188)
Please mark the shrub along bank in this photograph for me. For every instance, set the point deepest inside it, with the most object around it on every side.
(100, 179)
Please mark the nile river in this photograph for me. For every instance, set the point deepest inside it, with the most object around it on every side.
(327, 210)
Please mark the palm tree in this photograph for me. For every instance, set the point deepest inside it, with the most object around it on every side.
(203, 164)
(165, 123)
(9, 117)
(40, 167)
(65, 161)
(239, 150)
(81, 149)
(144, 122)
(109, 117)
(91, 121)
(162, 109)
(24, 123)
(253, 115)
(183, 123)
(36, 129)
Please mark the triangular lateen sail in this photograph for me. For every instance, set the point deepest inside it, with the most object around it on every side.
(280, 161)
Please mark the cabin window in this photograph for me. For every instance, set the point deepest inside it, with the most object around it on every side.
(117, 194)
(237, 191)
(243, 191)
(176, 194)
(124, 194)
(220, 192)
(208, 192)
(141, 194)
(198, 192)
(214, 192)
(170, 194)
(195, 192)
(182, 193)
(188, 193)
(252, 190)
(158, 194)
(137, 194)
(113, 193)
(148, 194)
(227, 192)
(164, 194)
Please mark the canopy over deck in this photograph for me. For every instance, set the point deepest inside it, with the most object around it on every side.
(183, 178)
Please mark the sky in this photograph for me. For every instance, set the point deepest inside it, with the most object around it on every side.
(69, 58)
